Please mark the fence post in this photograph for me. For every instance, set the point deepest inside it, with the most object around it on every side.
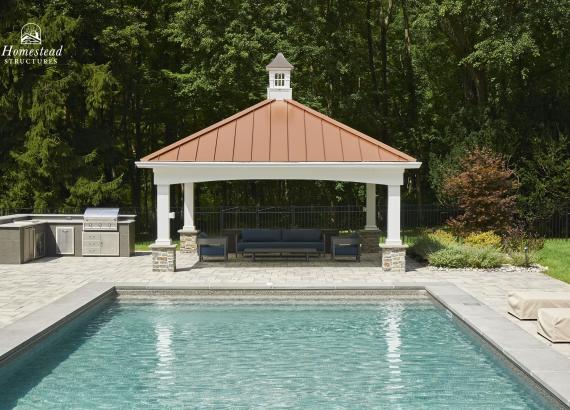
(257, 216)
(292, 216)
(221, 218)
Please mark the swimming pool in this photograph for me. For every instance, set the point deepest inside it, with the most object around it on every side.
(384, 353)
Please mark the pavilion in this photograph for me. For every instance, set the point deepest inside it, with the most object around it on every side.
(278, 138)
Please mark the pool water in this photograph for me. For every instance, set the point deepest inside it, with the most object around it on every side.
(402, 354)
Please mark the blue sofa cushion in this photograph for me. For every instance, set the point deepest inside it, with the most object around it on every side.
(301, 235)
(241, 246)
(261, 235)
(312, 245)
(351, 250)
(208, 250)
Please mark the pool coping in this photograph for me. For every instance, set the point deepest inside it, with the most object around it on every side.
(548, 368)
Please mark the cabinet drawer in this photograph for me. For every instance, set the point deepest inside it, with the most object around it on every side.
(91, 251)
(91, 236)
(92, 244)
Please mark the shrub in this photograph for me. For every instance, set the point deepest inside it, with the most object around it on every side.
(519, 258)
(429, 242)
(462, 256)
(517, 238)
(484, 188)
(487, 239)
(443, 237)
(425, 245)
(452, 257)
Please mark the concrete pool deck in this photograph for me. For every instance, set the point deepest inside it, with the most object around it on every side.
(28, 287)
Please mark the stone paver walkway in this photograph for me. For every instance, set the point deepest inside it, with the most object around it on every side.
(26, 288)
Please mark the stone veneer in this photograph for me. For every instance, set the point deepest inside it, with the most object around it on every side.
(370, 240)
(188, 241)
(394, 258)
(163, 258)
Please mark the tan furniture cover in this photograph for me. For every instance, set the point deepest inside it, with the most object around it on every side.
(525, 305)
(554, 324)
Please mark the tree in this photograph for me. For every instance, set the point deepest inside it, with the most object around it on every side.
(136, 76)
(484, 188)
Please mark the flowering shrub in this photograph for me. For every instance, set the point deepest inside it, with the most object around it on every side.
(483, 240)
(443, 237)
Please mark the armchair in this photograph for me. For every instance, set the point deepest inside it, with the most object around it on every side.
(214, 246)
(346, 246)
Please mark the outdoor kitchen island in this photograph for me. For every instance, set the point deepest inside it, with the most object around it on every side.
(98, 232)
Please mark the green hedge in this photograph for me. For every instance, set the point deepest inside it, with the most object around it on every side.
(463, 256)
(442, 249)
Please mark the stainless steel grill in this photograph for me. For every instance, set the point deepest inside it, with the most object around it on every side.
(100, 219)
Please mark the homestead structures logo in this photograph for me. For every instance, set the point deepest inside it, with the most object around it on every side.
(30, 38)
(31, 33)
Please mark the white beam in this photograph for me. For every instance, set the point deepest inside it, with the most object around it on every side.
(373, 173)
(189, 207)
(371, 208)
(163, 215)
(393, 217)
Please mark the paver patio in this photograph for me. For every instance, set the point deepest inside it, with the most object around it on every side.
(28, 287)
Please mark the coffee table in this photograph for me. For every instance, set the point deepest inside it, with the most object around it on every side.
(291, 251)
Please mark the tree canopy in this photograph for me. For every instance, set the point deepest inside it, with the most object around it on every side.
(432, 78)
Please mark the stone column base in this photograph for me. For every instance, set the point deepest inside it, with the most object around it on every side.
(394, 258)
(163, 258)
(188, 241)
(370, 240)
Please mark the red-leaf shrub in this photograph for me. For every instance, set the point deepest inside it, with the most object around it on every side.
(484, 189)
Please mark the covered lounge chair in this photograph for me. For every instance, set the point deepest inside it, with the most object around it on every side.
(554, 324)
(525, 305)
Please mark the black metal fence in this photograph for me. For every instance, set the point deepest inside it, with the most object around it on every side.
(341, 217)
(557, 225)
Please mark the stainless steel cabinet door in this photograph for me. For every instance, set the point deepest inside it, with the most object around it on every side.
(64, 240)
(109, 243)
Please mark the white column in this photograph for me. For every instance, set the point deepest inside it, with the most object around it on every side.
(189, 207)
(163, 215)
(393, 234)
(371, 208)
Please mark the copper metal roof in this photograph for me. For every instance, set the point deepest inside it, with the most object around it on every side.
(278, 131)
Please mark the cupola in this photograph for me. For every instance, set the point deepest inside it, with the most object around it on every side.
(279, 79)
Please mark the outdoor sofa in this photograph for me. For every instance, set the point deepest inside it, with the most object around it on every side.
(280, 238)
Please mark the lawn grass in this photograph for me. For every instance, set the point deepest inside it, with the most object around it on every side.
(144, 245)
(556, 255)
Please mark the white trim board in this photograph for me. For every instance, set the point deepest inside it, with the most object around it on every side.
(385, 173)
